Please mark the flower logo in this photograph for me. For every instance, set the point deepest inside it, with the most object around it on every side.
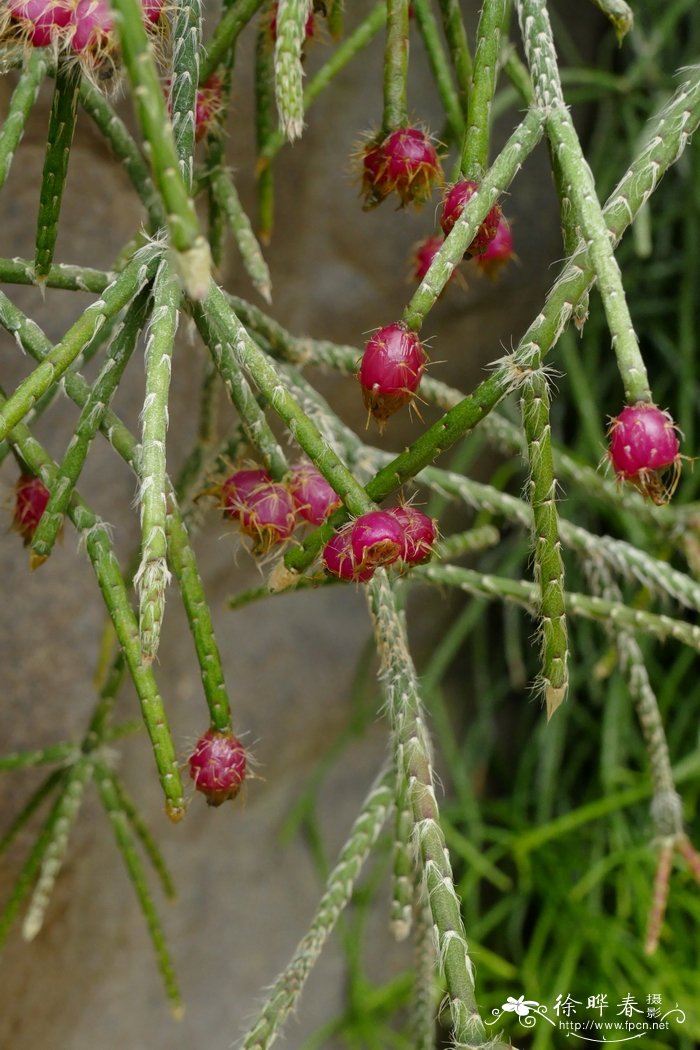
(520, 1006)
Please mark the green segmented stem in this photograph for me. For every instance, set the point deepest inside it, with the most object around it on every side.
(458, 45)
(152, 577)
(430, 35)
(64, 753)
(265, 122)
(288, 987)
(217, 339)
(187, 42)
(24, 880)
(184, 566)
(191, 249)
(115, 297)
(403, 866)
(125, 150)
(423, 1012)
(21, 104)
(119, 820)
(227, 32)
(31, 806)
(69, 469)
(571, 234)
(501, 173)
(590, 607)
(66, 813)
(620, 14)
(412, 748)
(227, 197)
(113, 588)
(144, 836)
(481, 538)
(580, 190)
(396, 48)
(475, 148)
(346, 51)
(245, 353)
(64, 108)
(69, 278)
(289, 72)
(548, 563)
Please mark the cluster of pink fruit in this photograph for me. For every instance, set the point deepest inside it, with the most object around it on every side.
(74, 26)
(379, 538)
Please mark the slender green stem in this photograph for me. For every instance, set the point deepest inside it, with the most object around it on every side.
(403, 866)
(125, 150)
(69, 802)
(119, 819)
(69, 469)
(33, 802)
(21, 105)
(395, 67)
(152, 577)
(475, 148)
(548, 563)
(122, 290)
(187, 42)
(64, 108)
(288, 987)
(456, 36)
(191, 256)
(588, 606)
(70, 278)
(289, 72)
(412, 749)
(227, 197)
(580, 189)
(430, 34)
(620, 14)
(353, 45)
(144, 836)
(227, 32)
(423, 1014)
(265, 121)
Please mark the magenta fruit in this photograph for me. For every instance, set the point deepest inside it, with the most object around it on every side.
(208, 106)
(405, 162)
(313, 497)
(39, 21)
(31, 497)
(93, 25)
(218, 766)
(643, 446)
(339, 559)
(375, 539)
(424, 254)
(264, 509)
(390, 372)
(499, 251)
(453, 206)
(418, 534)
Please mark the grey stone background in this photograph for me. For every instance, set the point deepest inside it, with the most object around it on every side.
(89, 981)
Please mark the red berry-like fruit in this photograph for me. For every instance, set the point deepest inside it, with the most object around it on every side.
(452, 208)
(418, 534)
(208, 106)
(40, 20)
(313, 497)
(31, 497)
(643, 446)
(405, 162)
(93, 24)
(339, 558)
(264, 509)
(424, 254)
(390, 372)
(375, 539)
(499, 251)
(218, 766)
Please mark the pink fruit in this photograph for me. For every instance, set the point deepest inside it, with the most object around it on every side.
(339, 559)
(643, 444)
(263, 508)
(390, 372)
(93, 23)
(313, 497)
(453, 206)
(152, 9)
(218, 766)
(406, 162)
(424, 254)
(375, 539)
(208, 106)
(41, 20)
(499, 251)
(418, 534)
(31, 497)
